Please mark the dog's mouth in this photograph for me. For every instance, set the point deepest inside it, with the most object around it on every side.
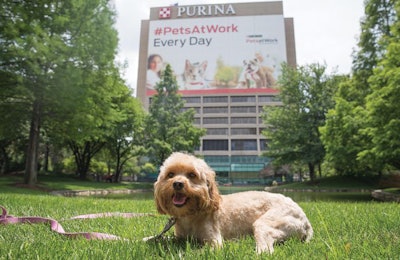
(179, 199)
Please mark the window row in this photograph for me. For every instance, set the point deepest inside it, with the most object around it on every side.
(225, 120)
(224, 159)
(233, 99)
(234, 131)
(223, 110)
(235, 145)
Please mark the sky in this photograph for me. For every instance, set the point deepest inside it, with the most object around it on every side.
(326, 31)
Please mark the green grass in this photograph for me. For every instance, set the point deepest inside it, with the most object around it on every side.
(342, 230)
(66, 182)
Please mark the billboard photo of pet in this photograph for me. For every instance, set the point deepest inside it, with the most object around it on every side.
(194, 75)
(256, 75)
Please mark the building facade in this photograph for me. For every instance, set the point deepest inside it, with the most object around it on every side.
(226, 58)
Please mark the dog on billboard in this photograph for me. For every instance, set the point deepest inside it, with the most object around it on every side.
(257, 74)
(194, 75)
(186, 189)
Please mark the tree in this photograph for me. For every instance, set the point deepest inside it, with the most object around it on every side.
(341, 135)
(167, 127)
(383, 106)
(293, 128)
(54, 52)
(123, 142)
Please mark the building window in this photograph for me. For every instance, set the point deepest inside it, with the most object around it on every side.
(243, 131)
(217, 159)
(244, 145)
(265, 99)
(217, 131)
(196, 109)
(245, 99)
(263, 144)
(197, 121)
(215, 110)
(276, 99)
(192, 100)
(218, 99)
(215, 145)
(243, 109)
(244, 120)
(215, 120)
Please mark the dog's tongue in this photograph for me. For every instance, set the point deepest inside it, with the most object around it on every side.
(179, 199)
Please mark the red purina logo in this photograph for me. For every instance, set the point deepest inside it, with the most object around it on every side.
(165, 12)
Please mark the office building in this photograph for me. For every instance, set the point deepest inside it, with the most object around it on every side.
(227, 58)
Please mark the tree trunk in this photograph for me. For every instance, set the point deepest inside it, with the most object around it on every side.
(319, 170)
(83, 155)
(31, 163)
(46, 158)
(311, 168)
(4, 159)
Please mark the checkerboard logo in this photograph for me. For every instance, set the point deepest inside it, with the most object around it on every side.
(165, 12)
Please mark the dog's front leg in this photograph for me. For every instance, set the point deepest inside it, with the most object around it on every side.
(215, 242)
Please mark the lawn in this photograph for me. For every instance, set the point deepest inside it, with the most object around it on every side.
(342, 230)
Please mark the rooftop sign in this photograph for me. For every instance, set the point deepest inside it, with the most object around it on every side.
(206, 10)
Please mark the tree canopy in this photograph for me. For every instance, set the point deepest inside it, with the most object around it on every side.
(293, 128)
(348, 135)
(58, 61)
(168, 127)
(383, 106)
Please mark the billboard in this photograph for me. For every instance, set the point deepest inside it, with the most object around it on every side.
(235, 52)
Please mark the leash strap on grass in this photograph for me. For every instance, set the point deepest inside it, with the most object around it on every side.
(167, 227)
(56, 227)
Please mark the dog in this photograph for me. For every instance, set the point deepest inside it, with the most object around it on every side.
(186, 190)
(193, 75)
(253, 70)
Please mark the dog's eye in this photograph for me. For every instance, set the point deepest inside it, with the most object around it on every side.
(170, 175)
(192, 175)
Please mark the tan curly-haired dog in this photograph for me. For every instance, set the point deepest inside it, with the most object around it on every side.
(186, 190)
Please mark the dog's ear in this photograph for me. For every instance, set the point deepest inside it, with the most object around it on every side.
(215, 198)
(158, 198)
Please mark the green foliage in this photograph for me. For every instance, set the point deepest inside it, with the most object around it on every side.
(125, 135)
(167, 127)
(340, 134)
(349, 133)
(375, 31)
(293, 128)
(59, 76)
(383, 106)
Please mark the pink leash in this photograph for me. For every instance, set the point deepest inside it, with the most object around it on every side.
(55, 226)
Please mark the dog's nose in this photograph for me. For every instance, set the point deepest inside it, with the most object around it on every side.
(178, 185)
